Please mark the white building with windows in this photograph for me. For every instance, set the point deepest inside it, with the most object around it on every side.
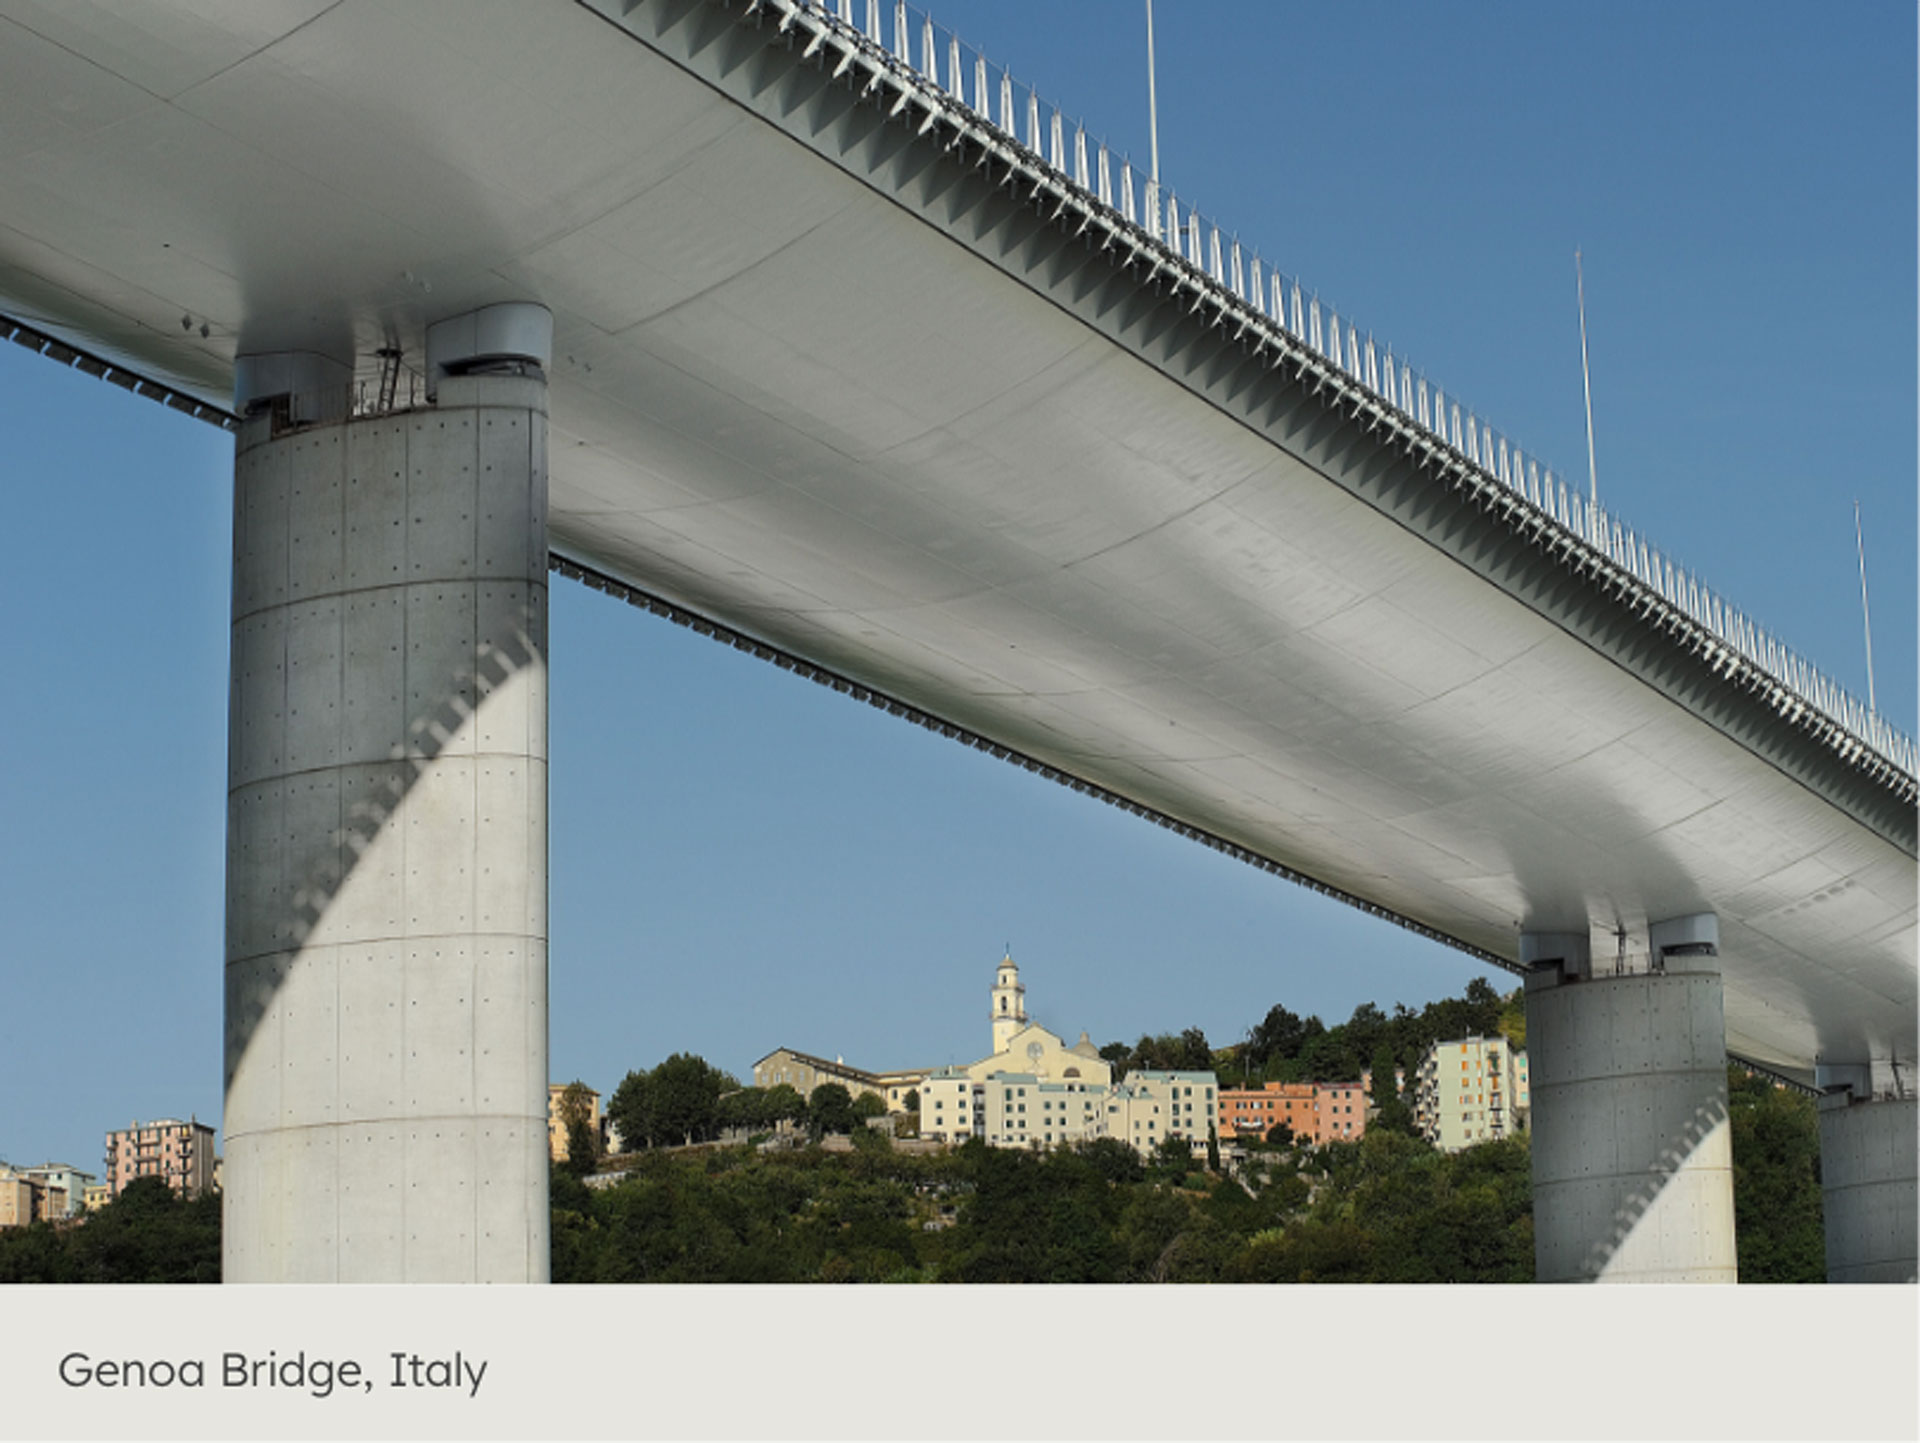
(1146, 1108)
(1010, 1109)
(1034, 1090)
(1470, 1090)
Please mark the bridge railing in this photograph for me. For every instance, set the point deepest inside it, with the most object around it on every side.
(922, 58)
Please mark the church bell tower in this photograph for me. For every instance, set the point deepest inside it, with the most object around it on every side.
(1009, 1004)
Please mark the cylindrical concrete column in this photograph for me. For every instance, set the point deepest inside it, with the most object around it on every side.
(386, 1027)
(1632, 1156)
(1869, 1160)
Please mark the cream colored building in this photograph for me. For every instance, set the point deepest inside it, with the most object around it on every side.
(72, 1185)
(1022, 1045)
(25, 1198)
(1034, 1089)
(1032, 1049)
(1019, 1044)
(1470, 1090)
(1010, 1109)
(896, 1086)
(803, 1072)
(1145, 1108)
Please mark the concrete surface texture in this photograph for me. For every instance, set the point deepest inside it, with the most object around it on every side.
(1632, 1155)
(1869, 1155)
(386, 1026)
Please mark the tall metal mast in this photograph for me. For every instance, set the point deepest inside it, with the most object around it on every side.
(1866, 616)
(1153, 106)
(1586, 380)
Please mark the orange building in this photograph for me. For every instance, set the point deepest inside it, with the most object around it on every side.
(1255, 1111)
(1316, 1111)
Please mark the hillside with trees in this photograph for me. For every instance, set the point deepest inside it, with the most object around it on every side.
(1384, 1209)
(1286, 1047)
(146, 1235)
(696, 1199)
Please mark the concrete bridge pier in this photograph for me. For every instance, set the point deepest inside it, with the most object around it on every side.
(386, 967)
(1632, 1156)
(1869, 1163)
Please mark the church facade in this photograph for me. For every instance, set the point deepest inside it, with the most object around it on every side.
(1036, 1090)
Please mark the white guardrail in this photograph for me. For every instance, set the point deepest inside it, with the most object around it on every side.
(922, 58)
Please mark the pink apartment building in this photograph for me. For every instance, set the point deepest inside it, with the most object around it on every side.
(179, 1152)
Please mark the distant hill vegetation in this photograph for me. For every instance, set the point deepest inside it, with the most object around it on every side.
(1384, 1208)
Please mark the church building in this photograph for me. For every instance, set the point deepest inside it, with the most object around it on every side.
(1034, 1090)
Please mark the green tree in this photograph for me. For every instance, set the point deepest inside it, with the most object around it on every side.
(1172, 1158)
(830, 1109)
(1275, 1038)
(1149, 1231)
(1192, 1053)
(871, 1139)
(576, 1115)
(148, 1234)
(684, 1094)
(1391, 1114)
(784, 1104)
(1329, 1057)
(1112, 1159)
(911, 1102)
(631, 1111)
(1513, 1019)
(1776, 1181)
(1033, 1218)
(743, 1109)
(1366, 1030)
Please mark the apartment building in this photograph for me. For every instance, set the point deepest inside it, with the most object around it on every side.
(1470, 1090)
(73, 1184)
(179, 1153)
(1010, 1109)
(1315, 1112)
(1256, 1111)
(25, 1198)
(1145, 1108)
(1339, 1111)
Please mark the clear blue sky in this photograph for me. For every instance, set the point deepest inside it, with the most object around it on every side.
(741, 859)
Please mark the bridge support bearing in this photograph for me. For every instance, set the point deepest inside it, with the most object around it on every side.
(1869, 1166)
(386, 979)
(1632, 1155)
